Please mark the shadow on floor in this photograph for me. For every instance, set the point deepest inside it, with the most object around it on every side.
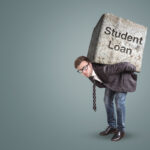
(128, 136)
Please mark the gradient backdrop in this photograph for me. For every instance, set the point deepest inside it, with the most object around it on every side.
(44, 103)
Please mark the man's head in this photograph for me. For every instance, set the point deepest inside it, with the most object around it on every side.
(83, 66)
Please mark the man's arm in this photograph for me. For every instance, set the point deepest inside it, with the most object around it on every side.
(119, 68)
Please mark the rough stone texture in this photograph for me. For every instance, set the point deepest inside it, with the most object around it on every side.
(102, 47)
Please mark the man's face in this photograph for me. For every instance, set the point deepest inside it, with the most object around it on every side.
(85, 68)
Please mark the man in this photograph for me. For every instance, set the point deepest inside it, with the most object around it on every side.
(117, 79)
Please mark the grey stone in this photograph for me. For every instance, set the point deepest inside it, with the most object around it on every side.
(115, 40)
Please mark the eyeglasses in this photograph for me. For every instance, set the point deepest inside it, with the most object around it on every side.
(83, 69)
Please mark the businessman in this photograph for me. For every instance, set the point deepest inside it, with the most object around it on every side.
(117, 79)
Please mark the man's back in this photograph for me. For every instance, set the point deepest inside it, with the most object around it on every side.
(119, 77)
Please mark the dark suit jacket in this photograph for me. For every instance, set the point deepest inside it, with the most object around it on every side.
(118, 77)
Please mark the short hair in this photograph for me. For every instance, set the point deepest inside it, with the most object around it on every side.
(79, 60)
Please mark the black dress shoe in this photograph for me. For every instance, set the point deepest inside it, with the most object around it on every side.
(118, 135)
(108, 130)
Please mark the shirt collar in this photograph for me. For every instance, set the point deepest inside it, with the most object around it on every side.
(93, 73)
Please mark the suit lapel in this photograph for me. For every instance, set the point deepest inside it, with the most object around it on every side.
(98, 68)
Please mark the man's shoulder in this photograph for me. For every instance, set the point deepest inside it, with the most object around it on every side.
(98, 68)
(97, 64)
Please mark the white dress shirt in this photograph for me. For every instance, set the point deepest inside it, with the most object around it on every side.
(95, 76)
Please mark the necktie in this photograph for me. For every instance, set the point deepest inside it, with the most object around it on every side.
(94, 94)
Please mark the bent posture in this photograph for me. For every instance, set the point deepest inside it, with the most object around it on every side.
(117, 79)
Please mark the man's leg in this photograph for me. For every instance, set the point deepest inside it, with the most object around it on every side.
(111, 119)
(120, 108)
(109, 105)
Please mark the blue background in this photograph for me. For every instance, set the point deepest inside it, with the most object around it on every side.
(44, 103)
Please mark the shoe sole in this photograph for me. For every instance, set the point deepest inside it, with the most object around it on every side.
(106, 134)
(117, 139)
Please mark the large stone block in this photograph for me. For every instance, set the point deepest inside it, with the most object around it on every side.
(115, 40)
